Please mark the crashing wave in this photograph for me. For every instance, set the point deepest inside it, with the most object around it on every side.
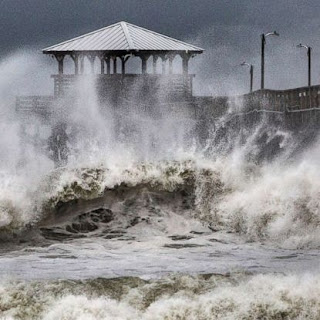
(119, 199)
(262, 203)
(207, 296)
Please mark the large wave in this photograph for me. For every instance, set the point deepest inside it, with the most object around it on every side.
(235, 296)
(262, 202)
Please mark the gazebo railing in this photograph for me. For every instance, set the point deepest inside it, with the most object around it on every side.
(170, 85)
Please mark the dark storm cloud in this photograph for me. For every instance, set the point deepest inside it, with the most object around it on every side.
(229, 30)
(27, 22)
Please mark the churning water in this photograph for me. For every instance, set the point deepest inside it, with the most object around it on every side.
(152, 218)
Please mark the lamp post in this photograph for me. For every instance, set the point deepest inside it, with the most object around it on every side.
(263, 42)
(309, 61)
(251, 73)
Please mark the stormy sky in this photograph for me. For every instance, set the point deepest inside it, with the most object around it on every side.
(229, 31)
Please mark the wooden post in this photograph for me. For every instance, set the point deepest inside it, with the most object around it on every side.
(171, 58)
(60, 66)
(82, 64)
(164, 61)
(154, 63)
(115, 65)
(124, 60)
(91, 58)
(76, 64)
(123, 65)
(107, 60)
(185, 64)
(102, 64)
(75, 58)
(60, 58)
(144, 64)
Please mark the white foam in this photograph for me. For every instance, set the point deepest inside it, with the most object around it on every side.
(179, 297)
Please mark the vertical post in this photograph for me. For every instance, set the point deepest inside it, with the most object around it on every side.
(171, 58)
(164, 60)
(185, 64)
(309, 66)
(102, 64)
(144, 64)
(309, 76)
(185, 71)
(75, 58)
(82, 64)
(251, 78)
(60, 66)
(123, 65)
(154, 63)
(107, 59)
(60, 58)
(91, 59)
(76, 64)
(115, 65)
(263, 42)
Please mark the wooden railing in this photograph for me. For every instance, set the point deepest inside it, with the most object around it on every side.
(291, 100)
(297, 105)
(173, 85)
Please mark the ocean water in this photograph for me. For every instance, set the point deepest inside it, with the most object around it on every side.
(148, 219)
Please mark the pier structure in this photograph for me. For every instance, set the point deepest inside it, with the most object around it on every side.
(159, 78)
(102, 57)
(106, 53)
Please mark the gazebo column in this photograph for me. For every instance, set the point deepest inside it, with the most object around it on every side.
(75, 58)
(60, 58)
(115, 65)
(154, 63)
(164, 61)
(124, 59)
(144, 59)
(81, 64)
(91, 58)
(123, 65)
(171, 58)
(185, 63)
(101, 57)
(107, 60)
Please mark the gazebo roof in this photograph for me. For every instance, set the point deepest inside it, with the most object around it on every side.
(122, 36)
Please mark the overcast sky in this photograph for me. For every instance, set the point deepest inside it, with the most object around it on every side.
(229, 31)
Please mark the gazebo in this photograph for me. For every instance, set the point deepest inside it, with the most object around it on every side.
(120, 42)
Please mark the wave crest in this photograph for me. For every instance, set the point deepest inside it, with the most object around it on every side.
(262, 203)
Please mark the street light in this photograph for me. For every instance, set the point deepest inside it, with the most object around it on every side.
(251, 73)
(309, 61)
(263, 42)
